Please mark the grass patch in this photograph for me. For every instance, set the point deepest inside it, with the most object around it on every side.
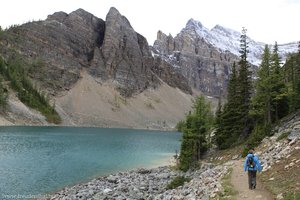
(229, 191)
(292, 196)
(177, 181)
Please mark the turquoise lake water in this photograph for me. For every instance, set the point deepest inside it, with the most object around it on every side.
(39, 160)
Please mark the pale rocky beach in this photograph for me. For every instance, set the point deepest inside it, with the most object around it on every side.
(148, 184)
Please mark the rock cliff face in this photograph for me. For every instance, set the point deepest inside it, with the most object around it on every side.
(205, 67)
(65, 44)
(99, 73)
(59, 47)
(128, 60)
(126, 55)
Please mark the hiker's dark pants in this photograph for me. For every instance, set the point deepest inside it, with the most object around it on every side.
(252, 179)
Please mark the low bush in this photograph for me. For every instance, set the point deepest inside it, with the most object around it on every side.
(177, 181)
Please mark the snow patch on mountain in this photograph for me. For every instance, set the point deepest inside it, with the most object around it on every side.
(226, 39)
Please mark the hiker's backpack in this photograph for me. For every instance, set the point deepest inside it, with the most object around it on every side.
(250, 162)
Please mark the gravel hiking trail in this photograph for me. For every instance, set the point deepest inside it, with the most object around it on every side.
(239, 180)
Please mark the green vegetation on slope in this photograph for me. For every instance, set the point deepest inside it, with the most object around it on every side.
(15, 71)
(277, 93)
(3, 95)
(3, 92)
(249, 114)
(177, 181)
(196, 129)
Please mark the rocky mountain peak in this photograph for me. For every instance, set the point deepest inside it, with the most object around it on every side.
(128, 60)
(205, 67)
(80, 12)
(194, 24)
(114, 15)
(125, 53)
(113, 12)
(225, 31)
(226, 39)
(80, 20)
(164, 44)
(161, 35)
(77, 15)
(57, 16)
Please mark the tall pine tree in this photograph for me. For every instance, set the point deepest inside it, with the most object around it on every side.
(195, 134)
(234, 122)
(244, 88)
(279, 101)
(261, 102)
(227, 129)
(292, 80)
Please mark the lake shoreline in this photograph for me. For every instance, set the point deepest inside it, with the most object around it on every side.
(160, 163)
(146, 183)
(63, 156)
(3, 124)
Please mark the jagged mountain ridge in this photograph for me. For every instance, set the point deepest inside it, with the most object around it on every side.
(65, 44)
(227, 39)
(205, 56)
(99, 73)
(206, 67)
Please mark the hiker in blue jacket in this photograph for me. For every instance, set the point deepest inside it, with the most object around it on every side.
(251, 165)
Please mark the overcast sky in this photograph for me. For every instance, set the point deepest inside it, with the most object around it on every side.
(266, 20)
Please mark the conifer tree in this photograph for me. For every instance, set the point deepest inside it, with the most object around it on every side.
(227, 129)
(292, 80)
(279, 92)
(244, 88)
(218, 125)
(234, 123)
(232, 87)
(261, 102)
(195, 133)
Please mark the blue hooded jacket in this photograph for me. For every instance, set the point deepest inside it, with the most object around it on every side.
(256, 161)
